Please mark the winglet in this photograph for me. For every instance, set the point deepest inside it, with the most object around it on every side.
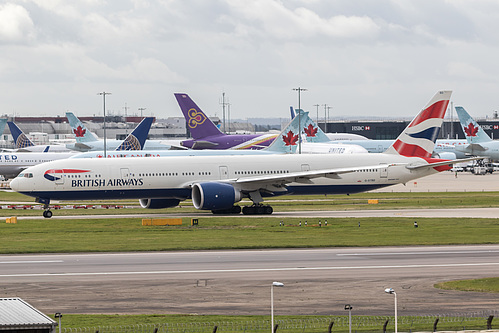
(198, 123)
(474, 133)
(138, 137)
(20, 139)
(82, 134)
(418, 138)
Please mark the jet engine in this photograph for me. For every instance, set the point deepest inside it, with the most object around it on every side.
(214, 196)
(445, 155)
(158, 203)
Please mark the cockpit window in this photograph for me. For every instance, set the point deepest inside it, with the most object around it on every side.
(25, 175)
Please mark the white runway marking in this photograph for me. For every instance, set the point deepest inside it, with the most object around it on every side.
(30, 262)
(244, 270)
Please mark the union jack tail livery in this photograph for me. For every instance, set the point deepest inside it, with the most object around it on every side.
(473, 132)
(20, 139)
(418, 138)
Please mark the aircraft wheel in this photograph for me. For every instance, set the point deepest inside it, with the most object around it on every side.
(236, 210)
(248, 210)
(269, 210)
(47, 214)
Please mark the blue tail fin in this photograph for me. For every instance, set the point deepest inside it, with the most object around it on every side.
(20, 139)
(82, 134)
(473, 132)
(198, 123)
(292, 112)
(310, 131)
(137, 139)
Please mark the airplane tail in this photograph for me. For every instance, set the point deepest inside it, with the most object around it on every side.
(473, 132)
(310, 130)
(287, 140)
(418, 138)
(20, 139)
(198, 123)
(82, 134)
(292, 112)
(138, 137)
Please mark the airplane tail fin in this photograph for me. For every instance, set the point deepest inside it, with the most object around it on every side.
(418, 138)
(198, 123)
(20, 139)
(138, 137)
(310, 130)
(287, 140)
(292, 112)
(82, 134)
(473, 132)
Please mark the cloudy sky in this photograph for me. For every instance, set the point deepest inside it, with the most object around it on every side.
(361, 57)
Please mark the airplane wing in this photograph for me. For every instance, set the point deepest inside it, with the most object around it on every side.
(177, 147)
(80, 146)
(448, 162)
(204, 145)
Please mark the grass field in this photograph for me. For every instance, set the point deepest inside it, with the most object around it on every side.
(490, 285)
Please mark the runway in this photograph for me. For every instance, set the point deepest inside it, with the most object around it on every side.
(317, 281)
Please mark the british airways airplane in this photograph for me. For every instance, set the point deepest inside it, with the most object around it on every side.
(205, 135)
(217, 184)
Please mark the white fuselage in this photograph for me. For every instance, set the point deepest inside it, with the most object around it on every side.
(173, 177)
(11, 164)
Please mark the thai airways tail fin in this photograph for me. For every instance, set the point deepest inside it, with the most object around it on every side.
(310, 131)
(82, 134)
(418, 138)
(474, 133)
(137, 139)
(20, 139)
(198, 123)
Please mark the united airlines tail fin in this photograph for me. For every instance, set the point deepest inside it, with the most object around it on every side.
(138, 137)
(418, 138)
(20, 139)
(82, 134)
(292, 112)
(473, 132)
(198, 123)
(310, 131)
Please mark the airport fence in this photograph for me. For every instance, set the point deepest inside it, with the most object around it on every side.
(360, 324)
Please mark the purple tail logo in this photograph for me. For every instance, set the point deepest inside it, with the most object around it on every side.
(195, 118)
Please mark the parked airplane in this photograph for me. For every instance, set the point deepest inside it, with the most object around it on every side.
(217, 184)
(205, 135)
(87, 141)
(11, 164)
(24, 144)
(478, 142)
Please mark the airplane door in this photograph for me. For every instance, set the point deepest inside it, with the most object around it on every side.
(380, 148)
(224, 172)
(383, 172)
(305, 167)
(60, 179)
(125, 176)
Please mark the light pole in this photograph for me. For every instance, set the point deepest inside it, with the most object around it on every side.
(299, 89)
(391, 291)
(274, 284)
(349, 308)
(59, 316)
(104, 108)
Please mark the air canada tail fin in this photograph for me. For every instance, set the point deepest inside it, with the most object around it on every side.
(82, 134)
(310, 131)
(137, 139)
(20, 139)
(418, 138)
(198, 123)
(473, 132)
(287, 140)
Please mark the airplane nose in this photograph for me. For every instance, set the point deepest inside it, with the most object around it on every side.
(14, 184)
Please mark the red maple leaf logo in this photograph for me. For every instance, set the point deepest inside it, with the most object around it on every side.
(290, 139)
(311, 131)
(471, 130)
(79, 132)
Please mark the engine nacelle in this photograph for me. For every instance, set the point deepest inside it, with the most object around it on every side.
(158, 203)
(214, 196)
(445, 155)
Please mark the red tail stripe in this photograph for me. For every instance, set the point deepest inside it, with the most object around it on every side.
(406, 149)
(436, 110)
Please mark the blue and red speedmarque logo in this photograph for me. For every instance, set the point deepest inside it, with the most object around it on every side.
(56, 174)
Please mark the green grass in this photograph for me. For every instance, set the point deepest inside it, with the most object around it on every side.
(490, 285)
(289, 324)
(127, 234)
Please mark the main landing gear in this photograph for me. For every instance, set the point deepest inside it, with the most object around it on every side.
(47, 213)
(247, 210)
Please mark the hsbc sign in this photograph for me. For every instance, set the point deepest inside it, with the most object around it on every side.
(358, 128)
